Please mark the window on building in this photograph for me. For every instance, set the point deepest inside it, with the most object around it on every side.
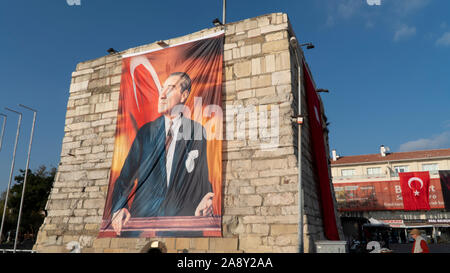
(430, 167)
(401, 169)
(348, 172)
(376, 170)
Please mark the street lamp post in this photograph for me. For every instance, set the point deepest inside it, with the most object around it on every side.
(26, 173)
(224, 12)
(3, 130)
(12, 168)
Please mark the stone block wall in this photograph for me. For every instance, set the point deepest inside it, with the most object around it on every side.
(260, 187)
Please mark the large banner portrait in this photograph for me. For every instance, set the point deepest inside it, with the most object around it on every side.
(166, 174)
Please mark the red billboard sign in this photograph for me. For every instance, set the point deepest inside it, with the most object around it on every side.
(380, 195)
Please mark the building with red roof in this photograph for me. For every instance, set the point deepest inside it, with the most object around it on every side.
(368, 187)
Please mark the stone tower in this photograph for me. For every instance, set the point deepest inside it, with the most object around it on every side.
(260, 187)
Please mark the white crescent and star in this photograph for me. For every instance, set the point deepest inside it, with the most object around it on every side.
(416, 192)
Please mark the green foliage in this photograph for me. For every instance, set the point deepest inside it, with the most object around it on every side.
(38, 187)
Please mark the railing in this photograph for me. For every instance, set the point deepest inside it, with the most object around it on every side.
(354, 177)
(373, 176)
(432, 173)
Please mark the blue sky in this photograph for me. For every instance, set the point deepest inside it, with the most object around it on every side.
(386, 66)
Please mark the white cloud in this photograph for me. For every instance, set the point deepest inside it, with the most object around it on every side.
(407, 7)
(348, 8)
(404, 32)
(330, 21)
(373, 2)
(446, 124)
(444, 40)
(435, 142)
(370, 24)
(342, 9)
(391, 13)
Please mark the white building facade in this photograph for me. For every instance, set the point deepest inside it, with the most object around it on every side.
(368, 186)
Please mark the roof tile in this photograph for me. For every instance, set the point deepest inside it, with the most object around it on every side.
(391, 156)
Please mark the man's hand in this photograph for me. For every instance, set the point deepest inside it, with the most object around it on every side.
(205, 207)
(118, 220)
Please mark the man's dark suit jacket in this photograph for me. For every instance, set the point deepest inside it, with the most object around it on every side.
(146, 162)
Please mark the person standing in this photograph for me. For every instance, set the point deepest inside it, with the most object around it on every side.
(420, 245)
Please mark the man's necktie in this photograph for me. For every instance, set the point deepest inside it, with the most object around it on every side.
(169, 137)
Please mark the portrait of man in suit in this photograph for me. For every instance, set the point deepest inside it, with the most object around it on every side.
(166, 170)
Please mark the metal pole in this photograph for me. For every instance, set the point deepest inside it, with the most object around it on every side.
(26, 173)
(300, 184)
(12, 169)
(3, 130)
(224, 12)
(295, 47)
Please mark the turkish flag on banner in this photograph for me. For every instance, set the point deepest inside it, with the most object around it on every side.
(415, 190)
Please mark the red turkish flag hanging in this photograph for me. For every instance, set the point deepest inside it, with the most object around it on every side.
(415, 190)
(320, 158)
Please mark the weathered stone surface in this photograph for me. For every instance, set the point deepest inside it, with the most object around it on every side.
(275, 46)
(243, 69)
(77, 87)
(224, 244)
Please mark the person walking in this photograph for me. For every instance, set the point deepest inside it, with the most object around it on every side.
(420, 245)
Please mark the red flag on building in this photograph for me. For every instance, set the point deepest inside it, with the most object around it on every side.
(320, 158)
(415, 190)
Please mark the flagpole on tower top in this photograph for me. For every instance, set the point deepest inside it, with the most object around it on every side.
(224, 12)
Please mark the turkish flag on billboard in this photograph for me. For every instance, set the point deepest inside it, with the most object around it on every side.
(415, 190)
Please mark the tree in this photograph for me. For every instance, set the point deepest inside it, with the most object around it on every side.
(38, 187)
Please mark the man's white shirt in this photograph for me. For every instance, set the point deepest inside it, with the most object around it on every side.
(169, 157)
